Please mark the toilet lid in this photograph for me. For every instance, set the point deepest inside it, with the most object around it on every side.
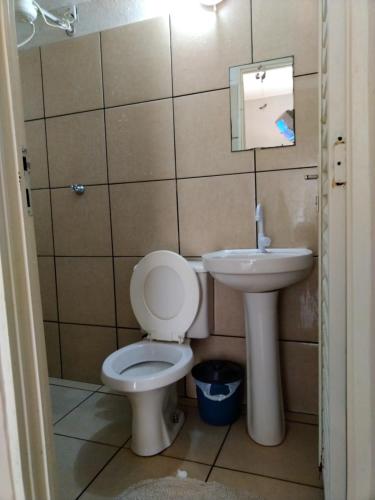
(164, 294)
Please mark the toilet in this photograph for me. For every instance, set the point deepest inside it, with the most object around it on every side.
(171, 299)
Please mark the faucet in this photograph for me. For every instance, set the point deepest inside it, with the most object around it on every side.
(263, 240)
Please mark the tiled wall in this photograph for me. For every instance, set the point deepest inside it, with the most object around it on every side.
(140, 115)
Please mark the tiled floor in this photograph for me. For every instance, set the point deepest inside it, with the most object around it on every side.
(92, 436)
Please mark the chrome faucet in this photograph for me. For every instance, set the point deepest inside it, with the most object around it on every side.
(263, 240)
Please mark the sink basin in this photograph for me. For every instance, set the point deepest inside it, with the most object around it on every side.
(250, 270)
(260, 276)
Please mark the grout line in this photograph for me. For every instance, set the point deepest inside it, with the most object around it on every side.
(184, 459)
(51, 215)
(87, 440)
(251, 31)
(218, 453)
(103, 108)
(99, 472)
(269, 477)
(290, 169)
(54, 384)
(70, 411)
(174, 139)
(104, 466)
(109, 194)
(307, 74)
(92, 324)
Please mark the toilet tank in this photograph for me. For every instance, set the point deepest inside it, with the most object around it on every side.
(202, 326)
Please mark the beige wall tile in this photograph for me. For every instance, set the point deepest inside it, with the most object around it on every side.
(81, 222)
(48, 287)
(37, 153)
(123, 271)
(127, 336)
(205, 44)
(216, 213)
(51, 335)
(41, 205)
(144, 217)
(215, 347)
(300, 367)
(298, 309)
(306, 151)
(76, 149)
(265, 487)
(203, 137)
(137, 62)
(287, 28)
(140, 142)
(72, 75)
(31, 81)
(84, 348)
(85, 289)
(229, 311)
(290, 210)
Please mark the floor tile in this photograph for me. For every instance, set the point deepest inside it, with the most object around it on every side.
(267, 488)
(197, 440)
(126, 469)
(64, 399)
(74, 384)
(77, 464)
(104, 419)
(296, 459)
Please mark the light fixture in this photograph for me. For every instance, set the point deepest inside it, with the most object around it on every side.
(210, 3)
(27, 12)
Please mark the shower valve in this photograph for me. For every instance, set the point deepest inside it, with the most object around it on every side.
(78, 188)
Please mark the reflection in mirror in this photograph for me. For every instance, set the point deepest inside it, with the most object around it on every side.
(262, 104)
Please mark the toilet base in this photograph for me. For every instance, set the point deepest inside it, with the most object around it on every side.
(156, 420)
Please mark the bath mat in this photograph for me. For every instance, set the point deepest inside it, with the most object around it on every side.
(175, 488)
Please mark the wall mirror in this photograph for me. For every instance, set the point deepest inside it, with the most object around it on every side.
(262, 104)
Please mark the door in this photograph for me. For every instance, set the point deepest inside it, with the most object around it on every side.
(24, 398)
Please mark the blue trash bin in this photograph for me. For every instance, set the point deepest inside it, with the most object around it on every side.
(219, 386)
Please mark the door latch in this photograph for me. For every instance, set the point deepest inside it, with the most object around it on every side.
(339, 162)
(27, 180)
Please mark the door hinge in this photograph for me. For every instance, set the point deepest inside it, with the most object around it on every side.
(339, 163)
(27, 181)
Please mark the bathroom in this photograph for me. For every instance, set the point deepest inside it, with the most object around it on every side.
(136, 145)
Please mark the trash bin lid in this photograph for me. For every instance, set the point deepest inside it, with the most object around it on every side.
(217, 371)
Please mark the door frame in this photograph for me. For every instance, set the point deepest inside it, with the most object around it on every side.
(25, 418)
(361, 251)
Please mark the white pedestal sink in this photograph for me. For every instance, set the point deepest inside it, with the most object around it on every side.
(259, 276)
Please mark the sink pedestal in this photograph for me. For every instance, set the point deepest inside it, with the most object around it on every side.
(265, 408)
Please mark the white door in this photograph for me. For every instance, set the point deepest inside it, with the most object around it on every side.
(333, 250)
(24, 398)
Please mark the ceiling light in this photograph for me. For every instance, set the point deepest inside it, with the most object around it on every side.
(210, 3)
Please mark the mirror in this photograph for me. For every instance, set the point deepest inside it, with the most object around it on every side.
(262, 104)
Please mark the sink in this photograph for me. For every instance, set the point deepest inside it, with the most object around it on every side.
(250, 270)
(260, 276)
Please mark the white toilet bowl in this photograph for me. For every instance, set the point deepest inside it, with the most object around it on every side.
(147, 372)
(167, 299)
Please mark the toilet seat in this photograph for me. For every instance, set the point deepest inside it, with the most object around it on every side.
(164, 294)
(117, 373)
